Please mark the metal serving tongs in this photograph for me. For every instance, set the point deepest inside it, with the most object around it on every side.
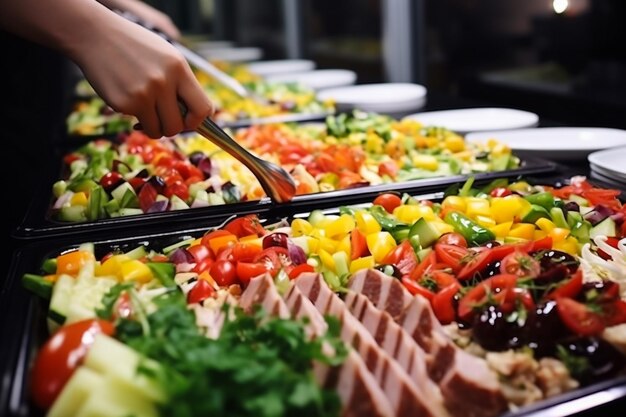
(200, 63)
(276, 182)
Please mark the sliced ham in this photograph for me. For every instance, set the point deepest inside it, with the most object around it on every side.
(469, 387)
(262, 291)
(397, 343)
(358, 390)
(403, 395)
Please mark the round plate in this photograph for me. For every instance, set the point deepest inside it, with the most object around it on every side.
(610, 162)
(384, 98)
(232, 54)
(319, 79)
(266, 68)
(559, 143)
(478, 119)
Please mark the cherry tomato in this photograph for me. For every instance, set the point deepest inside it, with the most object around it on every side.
(177, 188)
(248, 270)
(300, 269)
(246, 226)
(570, 288)
(110, 180)
(474, 263)
(451, 255)
(578, 317)
(500, 192)
(274, 258)
(443, 303)
(520, 264)
(61, 355)
(402, 257)
(416, 289)
(388, 201)
(199, 252)
(478, 295)
(424, 266)
(224, 273)
(137, 182)
(453, 238)
(203, 265)
(358, 245)
(200, 292)
(614, 313)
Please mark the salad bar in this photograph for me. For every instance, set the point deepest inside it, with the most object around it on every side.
(414, 273)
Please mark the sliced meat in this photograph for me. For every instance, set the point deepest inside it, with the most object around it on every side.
(403, 395)
(358, 390)
(262, 291)
(398, 344)
(469, 387)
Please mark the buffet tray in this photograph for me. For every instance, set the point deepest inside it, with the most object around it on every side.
(24, 328)
(38, 221)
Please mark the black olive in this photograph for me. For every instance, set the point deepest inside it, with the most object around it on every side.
(549, 259)
(492, 330)
(143, 174)
(600, 360)
(491, 269)
(196, 157)
(543, 328)
(158, 183)
(552, 275)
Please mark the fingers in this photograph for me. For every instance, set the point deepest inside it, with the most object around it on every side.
(198, 104)
(149, 121)
(169, 114)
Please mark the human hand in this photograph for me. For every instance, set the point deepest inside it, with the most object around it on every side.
(147, 14)
(137, 72)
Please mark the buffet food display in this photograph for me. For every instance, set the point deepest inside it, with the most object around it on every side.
(487, 299)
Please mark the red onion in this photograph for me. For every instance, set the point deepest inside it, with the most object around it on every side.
(275, 239)
(598, 214)
(158, 206)
(181, 256)
(296, 254)
(205, 166)
(618, 217)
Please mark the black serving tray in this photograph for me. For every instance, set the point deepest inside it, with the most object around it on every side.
(38, 221)
(22, 331)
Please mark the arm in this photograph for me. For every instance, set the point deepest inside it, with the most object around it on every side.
(134, 70)
(146, 13)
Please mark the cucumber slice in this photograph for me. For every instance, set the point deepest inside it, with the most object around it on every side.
(72, 214)
(37, 284)
(137, 253)
(215, 199)
(118, 193)
(182, 243)
(606, 227)
(81, 386)
(427, 234)
(130, 211)
(60, 300)
(178, 203)
(129, 200)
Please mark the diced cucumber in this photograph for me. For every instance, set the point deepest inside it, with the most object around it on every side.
(130, 211)
(82, 385)
(112, 207)
(215, 199)
(86, 297)
(98, 198)
(137, 253)
(108, 356)
(72, 214)
(196, 187)
(129, 200)
(342, 266)
(606, 227)
(201, 195)
(59, 188)
(500, 162)
(427, 234)
(60, 299)
(573, 218)
(579, 200)
(181, 244)
(400, 233)
(422, 254)
(584, 210)
(581, 231)
(177, 203)
(120, 190)
(37, 284)
(316, 217)
(332, 280)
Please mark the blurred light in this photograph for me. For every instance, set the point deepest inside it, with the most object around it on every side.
(560, 6)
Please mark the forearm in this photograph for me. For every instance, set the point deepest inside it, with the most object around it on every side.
(66, 25)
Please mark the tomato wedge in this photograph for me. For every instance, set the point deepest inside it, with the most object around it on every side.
(416, 289)
(200, 292)
(474, 263)
(477, 296)
(443, 303)
(578, 317)
(358, 245)
(569, 288)
(402, 257)
(61, 355)
(274, 258)
(248, 270)
(246, 226)
(300, 269)
(451, 255)
(424, 266)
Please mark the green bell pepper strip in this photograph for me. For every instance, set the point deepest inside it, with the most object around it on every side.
(474, 233)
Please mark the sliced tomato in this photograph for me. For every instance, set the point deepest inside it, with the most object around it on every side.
(611, 241)
(424, 266)
(541, 244)
(520, 264)
(453, 238)
(300, 269)
(570, 288)
(248, 270)
(402, 257)
(451, 255)
(614, 313)
(61, 355)
(477, 296)
(578, 318)
(137, 183)
(442, 279)
(274, 258)
(200, 292)
(474, 263)
(246, 226)
(508, 299)
(443, 303)
(199, 252)
(388, 201)
(416, 289)
(203, 265)
(358, 245)
(245, 252)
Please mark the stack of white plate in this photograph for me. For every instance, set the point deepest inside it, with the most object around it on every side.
(280, 66)
(380, 98)
(609, 165)
(558, 143)
(317, 80)
(243, 54)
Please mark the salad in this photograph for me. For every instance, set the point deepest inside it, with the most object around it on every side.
(518, 290)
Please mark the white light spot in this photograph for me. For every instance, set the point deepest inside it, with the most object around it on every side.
(560, 6)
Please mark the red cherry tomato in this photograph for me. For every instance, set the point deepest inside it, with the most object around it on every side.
(578, 317)
(389, 168)
(200, 292)
(416, 289)
(199, 252)
(475, 264)
(358, 245)
(178, 188)
(443, 303)
(453, 238)
(61, 355)
(224, 273)
(402, 257)
(245, 252)
(203, 265)
(451, 255)
(388, 201)
(248, 270)
(275, 258)
(500, 192)
(246, 226)
(479, 294)
(569, 288)
(110, 180)
(520, 264)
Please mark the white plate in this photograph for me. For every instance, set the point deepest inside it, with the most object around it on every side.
(610, 162)
(266, 68)
(384, 98)
(480, 119)
(561, 143)
(232, 54)
(319, 79)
